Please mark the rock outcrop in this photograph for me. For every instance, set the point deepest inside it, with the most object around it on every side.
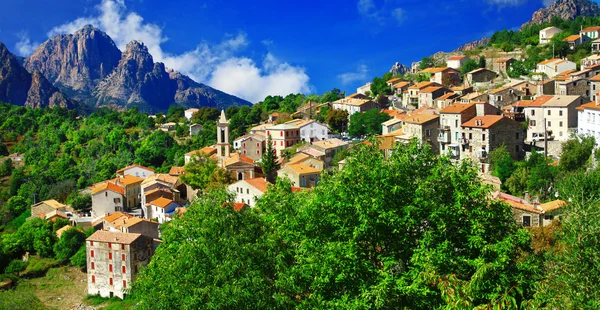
(17, 86)
(565, 9)
(399, 69)
(473, 45)
(76, 62)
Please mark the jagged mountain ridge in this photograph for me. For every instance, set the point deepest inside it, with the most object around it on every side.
(17, 86)
(88, 66)
(565, 9)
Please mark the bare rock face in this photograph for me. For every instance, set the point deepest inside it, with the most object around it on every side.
(19, 87)
(473, 45)
(399, 69)
(76, 62)
(565, 9)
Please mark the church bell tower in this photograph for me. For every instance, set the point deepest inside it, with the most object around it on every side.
(223, 137)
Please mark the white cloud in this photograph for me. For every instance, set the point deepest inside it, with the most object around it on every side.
(24, 46)
(359, 75)
(399, 14)
(207, 63)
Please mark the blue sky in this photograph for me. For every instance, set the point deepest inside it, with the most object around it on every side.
(254, 48)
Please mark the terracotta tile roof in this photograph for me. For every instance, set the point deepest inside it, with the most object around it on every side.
(591, 29)
(54, 204)
(134, 166)
(108, 186)
(421, 118)
(503, 60)
(62, 230)
(169, 179)
(447, 96)
(115, 216)
(553, 205)
(357, 96)
(158, 190)
(456, 57)
(113, 237)
(127, 180)
(302, 169)
(176, 171)
(574, 37)
(517, 203)
(424, 84)
(590, 105)
(394, 80)
(313, 152)
(237, 206)
(537, 102)
(208, 150)
(561, 101)
(330, 143)
(237, 158)
(431, 89)
(162, 202)
(56, 213)
(457, 108)
(596, 78)
(298, 158)
(401, 84)
(394, 113)
(136, 220)
(545, 62)
(258, 183)
(487, 121)
(437, 70)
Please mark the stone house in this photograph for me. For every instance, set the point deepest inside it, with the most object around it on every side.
(445, 100)
(548, 33)
(325, 150)
(248, 191)
(114, 260)
(195, 129)
(531, 111)
(482, 134)
(502, 64)
(428, 95)
(504, 96)
(412, 97)
(251, 145)
(576, 87)
(475, 97)
(531, 213)
(42, 208)
(424, 127)
(594, 87)
(481, 75)
(300, 174)
(400, 87)
(122, 222)
(444, 76)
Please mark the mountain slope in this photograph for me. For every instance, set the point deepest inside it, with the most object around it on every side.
(565, 9)
(88, 66)
(17, 86)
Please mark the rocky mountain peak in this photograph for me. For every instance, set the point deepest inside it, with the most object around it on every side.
(565, 9)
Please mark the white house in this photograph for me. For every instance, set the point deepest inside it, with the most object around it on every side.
(310, 130)
(456, 62)
(561, 115)
(354, 104)
(553, 67)
(588, 119)
(364, 89)
(547, 34)
(390, 125)
(189, 113)
(161, 209)
(248, 191)
(107, 197)
(135, 170)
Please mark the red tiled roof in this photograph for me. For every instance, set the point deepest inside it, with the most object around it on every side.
(258, 183)
(457, 108)
(487, 121)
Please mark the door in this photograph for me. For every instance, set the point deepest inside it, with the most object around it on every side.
(526, 220)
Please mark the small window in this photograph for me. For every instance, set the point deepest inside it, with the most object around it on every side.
(549, 123)
(105, 194)
(247, 191)
(122, 247)
(91, 243)
(123, 257)
(517, 135)
(549, 112)
(526, 220)
(281, 133)
(93, 266)
(148, 242)
(560, 113)
(560, 124)
(110, 281)
(532, 112)
(93, 279)
(110, 245)
(124, 269)
(109, 267)
(109, 255)
(92, 253)
(124, 283)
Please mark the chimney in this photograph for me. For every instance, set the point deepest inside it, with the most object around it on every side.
(527, 197)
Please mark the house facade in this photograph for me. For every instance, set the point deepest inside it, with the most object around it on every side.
(424, 127)
(248, 191)
(311, 130)
(161, 209)
(189, 113)
(135, 170)
(588, 119)
(481, 75)
(456, 62)
(283, 136)
(300, 175)
(114, 260)
(107, 198)
(251, 145)
(553, 67)
(548, 33)
(560, 113)
(450, 133)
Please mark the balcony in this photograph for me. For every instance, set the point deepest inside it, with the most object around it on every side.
(464, 141)
(445, 128)
(444, 137)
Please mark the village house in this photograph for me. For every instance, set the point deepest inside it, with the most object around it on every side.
(159, 184)
(42, 208)
(161, 209)
(208, 151)
(324, 150)
(531, 213)
(576, 39)
(300, 174)
(595, 50)
(548, 33)
(107, 197)
(390, 125)
(122, 222)
(591, 60)
(412, 97)
(594, 87)
(479, 76)
(132, 190)
(591, 32)
(588, 119)
(251, 146)
(364, 89)
(400, 87)
(475, 97)
(393, 81)
(167, 127)
(502, 64)
(533, 112)
(483, 134)
(195, 129)
(462, 90)
(456, 62)
(189, 113)
(444, 76)
(553, 67)
(310, 130)
(505, 95)
(273, 117)
(114, 260)
(248, 191)
(135, 170)
(354, 105)
(451, 119)
(241, 167)
(176, 171)
(560, 113)
(574, 87)
(424, 127)
(431, 93)
(307, 160)
(283, 136)
(445, 100)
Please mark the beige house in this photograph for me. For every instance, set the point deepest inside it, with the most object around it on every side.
(354, 104)
(283, 136)
(251, 146)
(42, 208)
(547, 34)
(456, 62)
(300, 174)
(560, 113)
(303, 158)
(444, 76)
(107, 198)
(531, 213)
(502, 64)
(114, 260)
(325, 150)
(424, 127)
(162, 184)
(428, 95)
(412, 97)
(450, 133)
(135, 170)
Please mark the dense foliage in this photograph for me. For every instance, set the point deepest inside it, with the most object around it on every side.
(367, 124)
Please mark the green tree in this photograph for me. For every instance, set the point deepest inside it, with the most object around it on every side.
(16, 266)
(517, 69)
(501, 163)
(368, 123)
(337, 120)
(3, 149)
(469, 66)
(426, 62)
(268, 162)
(14, 207)
(79, 259)
(379, 87)
(576, 153)
(203, 172)
(68, 244)
(80, 201)
(482, 61)
(6, 168)
(232, 258)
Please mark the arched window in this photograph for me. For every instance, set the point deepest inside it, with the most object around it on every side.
(240, 176)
